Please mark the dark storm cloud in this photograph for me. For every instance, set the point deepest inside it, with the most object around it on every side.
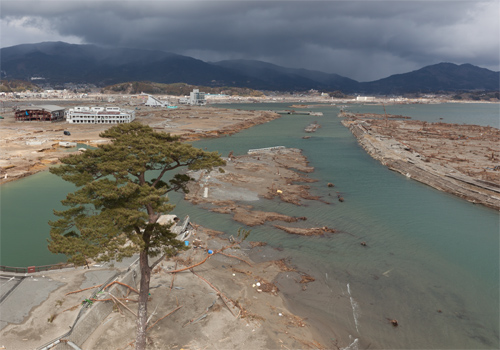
(363, 40)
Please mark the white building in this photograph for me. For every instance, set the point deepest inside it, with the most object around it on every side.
(99, 115)
(365, 98)
(196, 98)
(154, 102)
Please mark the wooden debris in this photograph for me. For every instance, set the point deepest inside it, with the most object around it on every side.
(257, 244)
(310, 345)
(225, 299)
(314, 231)
(268, 287)
(122, 304)
(173, 277)
(81, 290)
(122, 284)
(118, 308)
(283, 266)
(232, 256)
(190, 267)
(246, 314)
(393, 322)
(306, 279)
(72, 308)
(170, 313)
(108, 299)
(248, 273)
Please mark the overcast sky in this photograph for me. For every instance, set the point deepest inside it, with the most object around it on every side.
(362, 40)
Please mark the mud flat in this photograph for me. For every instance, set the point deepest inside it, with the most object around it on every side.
(459, 159)
(278, 173)
(30, 147)
(314, 231)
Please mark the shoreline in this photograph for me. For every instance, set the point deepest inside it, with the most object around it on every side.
(259, 317)
(274, 174)
(31, 147)
(457, 159)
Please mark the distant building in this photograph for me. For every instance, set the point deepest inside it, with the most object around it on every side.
(196, 98)
(99, 115)
(40, 113)
(365, 98)
(216, 97)
(154, 102)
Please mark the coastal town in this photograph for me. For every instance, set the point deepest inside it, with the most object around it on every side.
(29, 147)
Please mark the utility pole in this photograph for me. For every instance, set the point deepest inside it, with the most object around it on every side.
(385, 113)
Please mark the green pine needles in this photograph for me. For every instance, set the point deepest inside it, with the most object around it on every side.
(121, 194)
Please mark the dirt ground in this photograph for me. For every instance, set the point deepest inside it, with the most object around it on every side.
(252, 314)
(457, 158)
(229, 302)
(470, 149)
(29, 147)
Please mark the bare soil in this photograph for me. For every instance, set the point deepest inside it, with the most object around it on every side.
(459, 159)
(228, 302)
(314, 231)
(277, 174)
(29, 147)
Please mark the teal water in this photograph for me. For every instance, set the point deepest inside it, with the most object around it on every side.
(426, 250)
(485, 114)
(26, 206)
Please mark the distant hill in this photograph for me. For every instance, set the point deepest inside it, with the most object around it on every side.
(59, 62)
(176, 89)
(438, 77)
(277, 77)
(17, 86)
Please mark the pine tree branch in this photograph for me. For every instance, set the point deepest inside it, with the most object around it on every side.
(167, 168)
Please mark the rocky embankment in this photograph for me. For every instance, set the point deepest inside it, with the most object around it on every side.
(458, 159)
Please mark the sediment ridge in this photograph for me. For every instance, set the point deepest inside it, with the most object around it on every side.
(274, 173)
(459, 159)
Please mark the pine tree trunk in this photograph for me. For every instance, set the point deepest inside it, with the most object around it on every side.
(142, 312)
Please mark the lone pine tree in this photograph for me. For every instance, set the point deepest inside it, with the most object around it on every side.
(121, 194)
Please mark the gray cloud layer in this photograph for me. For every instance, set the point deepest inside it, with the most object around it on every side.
(363, 40)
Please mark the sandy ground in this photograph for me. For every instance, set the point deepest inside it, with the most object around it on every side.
(29, 147)
(459, 159)
(255, 319)
(252, 314)
(37, 310)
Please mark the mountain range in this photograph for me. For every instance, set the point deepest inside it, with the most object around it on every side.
(59, 63)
